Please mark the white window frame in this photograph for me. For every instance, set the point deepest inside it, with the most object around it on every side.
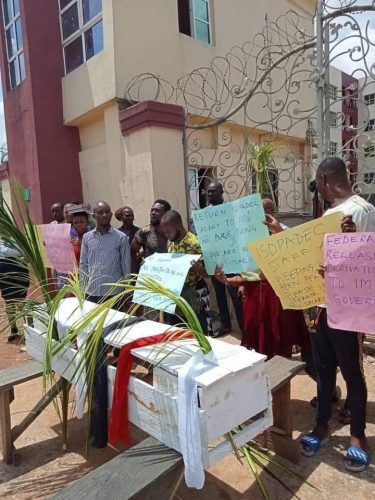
(333, 147)
(332, 92)
(370, 125)
(369, 151)
(332, 119)
(19, 52)
(193, 18)
(82, 28)
(370, 99)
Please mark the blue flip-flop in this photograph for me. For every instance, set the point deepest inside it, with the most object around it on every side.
(313, 442)
(359, 456)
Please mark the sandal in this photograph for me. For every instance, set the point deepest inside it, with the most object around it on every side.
(311, 444)
(221, 331)
(357, 455)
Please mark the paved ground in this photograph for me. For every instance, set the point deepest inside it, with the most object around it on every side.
(45, 468)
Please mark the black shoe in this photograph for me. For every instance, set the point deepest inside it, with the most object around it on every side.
(14, 335)
(221, 331)
(335, 397)
(344, 415)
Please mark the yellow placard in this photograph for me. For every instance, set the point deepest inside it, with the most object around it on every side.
(290, 260)
(42, 246)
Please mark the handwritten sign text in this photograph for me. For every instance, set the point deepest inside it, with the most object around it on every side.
(170, 270)
(56, 238)
(290, 261)
(350, 281)
(224, 231)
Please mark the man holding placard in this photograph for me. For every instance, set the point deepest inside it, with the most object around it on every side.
(215, 199)
(181, 241)
(334, 348)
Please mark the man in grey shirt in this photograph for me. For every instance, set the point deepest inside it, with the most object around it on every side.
(105, 257)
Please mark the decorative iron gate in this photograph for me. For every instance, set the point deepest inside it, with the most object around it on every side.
(280, 89)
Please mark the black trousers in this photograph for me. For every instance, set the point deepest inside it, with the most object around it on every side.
(338, 348)
(222, 304)
(14, 284)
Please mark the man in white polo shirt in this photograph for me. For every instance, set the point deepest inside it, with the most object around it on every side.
(338, 348)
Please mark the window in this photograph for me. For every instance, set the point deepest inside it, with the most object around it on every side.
(369, 177)
(194, 19)
(370, 125)
(332, 91)
(14, 42)
(370, 151)
(332, 119)
(370, 99)
(332, 148)
(81, 31)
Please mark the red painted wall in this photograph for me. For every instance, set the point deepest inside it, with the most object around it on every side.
(43, 153)
(349, 108)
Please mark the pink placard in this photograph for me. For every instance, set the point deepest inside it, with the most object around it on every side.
(350, 281)
(58, 246)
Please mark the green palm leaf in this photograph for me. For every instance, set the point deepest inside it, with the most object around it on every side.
(21, 233)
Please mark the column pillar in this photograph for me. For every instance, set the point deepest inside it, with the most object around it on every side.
(154, 157)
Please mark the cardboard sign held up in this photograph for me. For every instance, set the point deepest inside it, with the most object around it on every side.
(168, 269)
(350, 281)
(290, 261)
(56, 238)
(225, 230)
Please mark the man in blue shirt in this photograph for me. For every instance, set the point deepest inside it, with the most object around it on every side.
(105, 257)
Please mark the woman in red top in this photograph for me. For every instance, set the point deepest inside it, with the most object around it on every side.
(268, 328)
(81, 225)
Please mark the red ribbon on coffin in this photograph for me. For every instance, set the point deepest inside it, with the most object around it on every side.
(119, 424)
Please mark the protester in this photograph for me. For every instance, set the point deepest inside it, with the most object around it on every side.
(128, 227)
(105, 257)
(68, 216)
(118, 213)
(215, 197)
(57, 212)
(182, 241)
(269, 208)
(338, 348)
(14, 283)
(268, 328)
(127, 218)
(81, 226)
(151, 238)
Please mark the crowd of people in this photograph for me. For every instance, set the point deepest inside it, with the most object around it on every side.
(106, 254)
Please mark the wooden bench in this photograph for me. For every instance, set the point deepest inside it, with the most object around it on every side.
(9, 378)
(151, 470)
(279, 437)
(146, 471)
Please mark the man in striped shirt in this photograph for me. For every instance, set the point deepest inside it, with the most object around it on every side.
(105, 256)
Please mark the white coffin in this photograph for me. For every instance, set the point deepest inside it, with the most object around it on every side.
(63, 364)
(230, 395)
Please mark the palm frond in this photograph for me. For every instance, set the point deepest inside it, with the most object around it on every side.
(21, 233)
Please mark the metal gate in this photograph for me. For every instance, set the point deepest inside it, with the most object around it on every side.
(262, 116)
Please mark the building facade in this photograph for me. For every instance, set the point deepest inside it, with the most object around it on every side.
(343, 118)
(366, 174)
(65, 66)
